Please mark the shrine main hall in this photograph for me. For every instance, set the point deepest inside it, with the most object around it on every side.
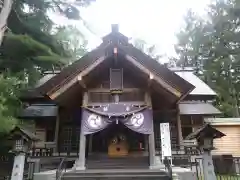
(108, 106)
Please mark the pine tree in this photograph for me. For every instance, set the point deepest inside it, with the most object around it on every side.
(212, 46)
(31, 45)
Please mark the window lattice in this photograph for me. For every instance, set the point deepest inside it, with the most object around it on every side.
(19, 144)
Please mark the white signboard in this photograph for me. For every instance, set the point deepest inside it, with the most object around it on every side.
(165, 140)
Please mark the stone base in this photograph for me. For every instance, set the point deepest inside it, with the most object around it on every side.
(160, 167)
(157, 164)
(183, 173)
(46, 175)
(78, 166)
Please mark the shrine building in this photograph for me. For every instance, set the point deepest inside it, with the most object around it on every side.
(109, 105)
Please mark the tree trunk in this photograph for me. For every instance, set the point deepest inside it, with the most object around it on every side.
(232, 91)
(5, 11)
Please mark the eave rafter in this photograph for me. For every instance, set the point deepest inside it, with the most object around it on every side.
(77, 78)
(153, 77)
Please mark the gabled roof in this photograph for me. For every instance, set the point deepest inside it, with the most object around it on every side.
(24, 133)
(39, 110)
(205, 131)
(196, 107)
(73, 69)
(223, 121)
(158, 69)
(32, 94)
(119, 41)
(201, 88)
(44, 79)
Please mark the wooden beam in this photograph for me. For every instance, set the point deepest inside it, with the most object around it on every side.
(56, 131)
(153, 77)
(135, 103)
(151, 139)
(55, 93)
(185, 95)
(81, 162)
(149, 83)
(105, 90)
(148, 99)
(81, 82)
(179, 127)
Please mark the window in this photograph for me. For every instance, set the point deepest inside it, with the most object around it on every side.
(190, 123)
(67, 132)
(69, 139)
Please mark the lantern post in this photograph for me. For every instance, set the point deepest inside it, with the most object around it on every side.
(205, 136)
(22, 141)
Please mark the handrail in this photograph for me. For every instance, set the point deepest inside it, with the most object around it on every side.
(60, 169)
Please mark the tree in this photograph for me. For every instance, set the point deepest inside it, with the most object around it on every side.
(147, 48)
(190, 39)
(9, 102)
(212, 46)
(30, 47)
(6, 6)
(31, 38)
(66, 8)
(72, 40)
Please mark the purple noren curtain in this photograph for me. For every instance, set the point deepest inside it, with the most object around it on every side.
(140, 122)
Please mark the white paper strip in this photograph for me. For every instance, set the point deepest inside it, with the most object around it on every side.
(165, 140)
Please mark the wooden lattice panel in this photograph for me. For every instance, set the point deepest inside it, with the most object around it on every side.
(116, 80)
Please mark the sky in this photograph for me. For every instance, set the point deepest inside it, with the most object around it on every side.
(155, 21)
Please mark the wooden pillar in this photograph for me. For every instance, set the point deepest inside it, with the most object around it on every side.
(90, 143)
(56, 131)
(151, 139)
(179, 128)
(146, 143)
(82, 144)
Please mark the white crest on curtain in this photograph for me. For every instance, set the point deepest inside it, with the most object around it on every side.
(95, 121)
(137, 119)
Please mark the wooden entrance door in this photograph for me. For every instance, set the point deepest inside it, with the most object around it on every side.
(104, 138)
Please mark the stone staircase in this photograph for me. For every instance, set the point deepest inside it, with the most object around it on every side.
(124, 168)
(117, 163)
(116, 174)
